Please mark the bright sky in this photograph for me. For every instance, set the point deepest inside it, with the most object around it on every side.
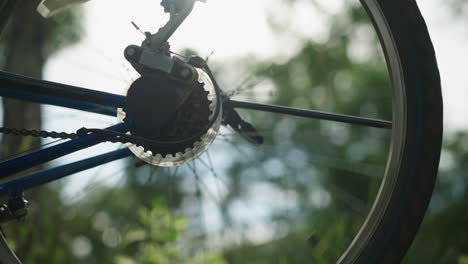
(232, 28)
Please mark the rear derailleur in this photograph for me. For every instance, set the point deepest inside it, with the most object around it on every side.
(154, 57)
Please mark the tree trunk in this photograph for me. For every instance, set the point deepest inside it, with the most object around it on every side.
(25, 55)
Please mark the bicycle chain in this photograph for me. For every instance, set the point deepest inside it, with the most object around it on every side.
(233, 119)
(111, 136)
(37, 133)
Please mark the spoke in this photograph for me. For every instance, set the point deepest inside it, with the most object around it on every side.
(356, 120)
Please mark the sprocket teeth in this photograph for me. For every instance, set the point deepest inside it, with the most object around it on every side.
(206, 98)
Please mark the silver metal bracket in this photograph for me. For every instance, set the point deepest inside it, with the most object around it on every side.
(154, 53)
(145, 60)
(179, 10)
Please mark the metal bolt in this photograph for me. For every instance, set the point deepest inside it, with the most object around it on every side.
(131, 52)
(185, 73)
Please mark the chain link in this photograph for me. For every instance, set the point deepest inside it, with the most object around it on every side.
(37, 133)
(110, 136)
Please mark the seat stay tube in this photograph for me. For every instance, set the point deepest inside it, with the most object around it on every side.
(40, 91)
(13, 166)
(58, 101)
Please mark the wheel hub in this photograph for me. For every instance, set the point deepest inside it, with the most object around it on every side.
(164, 110)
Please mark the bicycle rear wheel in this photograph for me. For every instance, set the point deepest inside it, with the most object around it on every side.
(416, 131)
(397, 213)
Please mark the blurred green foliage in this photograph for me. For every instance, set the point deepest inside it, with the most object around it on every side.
(329, 172)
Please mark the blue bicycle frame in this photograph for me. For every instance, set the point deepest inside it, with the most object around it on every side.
(51, 93)
(45, 92)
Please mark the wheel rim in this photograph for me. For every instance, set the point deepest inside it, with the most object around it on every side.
(398, 135)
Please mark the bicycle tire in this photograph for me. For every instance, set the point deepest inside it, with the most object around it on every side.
(402, 202)
(416, 140)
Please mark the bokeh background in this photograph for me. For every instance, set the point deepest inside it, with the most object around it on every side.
(298, 198)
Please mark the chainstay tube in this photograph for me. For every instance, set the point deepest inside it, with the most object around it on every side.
(49, 175)
(13, 166)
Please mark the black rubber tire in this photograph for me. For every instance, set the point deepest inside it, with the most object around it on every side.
(392, 225)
